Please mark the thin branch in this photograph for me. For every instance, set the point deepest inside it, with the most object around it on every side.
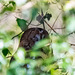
(8, 56)
(70, 33)
(60, 28)
(56, 19)
(42, 16)
(48, 24)
(72, 44)
(16, 35)
(50, 27)
(22, 31)
(36, 25)
(30, 22)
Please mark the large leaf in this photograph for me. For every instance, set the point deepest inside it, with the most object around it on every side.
(22, 24)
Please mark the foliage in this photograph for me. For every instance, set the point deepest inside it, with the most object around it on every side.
(22, 24)
(51, 56)
(11, 6)
(5, 51)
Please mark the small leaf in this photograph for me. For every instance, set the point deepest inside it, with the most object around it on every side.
(40, 19)
(48, 16)
(11, 6)
(5, 51)
(13, 3)
(22, 24)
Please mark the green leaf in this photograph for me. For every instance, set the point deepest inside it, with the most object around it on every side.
(22, 24)
(71, 24)
(34, 12)
(12, 2)
(40, 44)
(5, 51)
(55, 72)
(11, 6)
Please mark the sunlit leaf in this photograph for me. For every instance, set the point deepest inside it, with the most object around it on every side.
(22, 24)
(51, 67)
(35, 53)
(20, 55)
(56, 72)
(40, 44)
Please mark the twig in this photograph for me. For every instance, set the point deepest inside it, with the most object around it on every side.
(60, 28)
(30, 22)
(8, 56)
(50, 27)
(57, 28)
(56, 19)
(70, 33)
(16, 35)
(42, 16)
(36, 25)
(72, 44)
(22, 31)
(48, 24)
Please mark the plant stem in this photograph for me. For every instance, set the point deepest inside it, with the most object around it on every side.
(50, 27)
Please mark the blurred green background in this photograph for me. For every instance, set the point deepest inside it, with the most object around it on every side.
(59, 58)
